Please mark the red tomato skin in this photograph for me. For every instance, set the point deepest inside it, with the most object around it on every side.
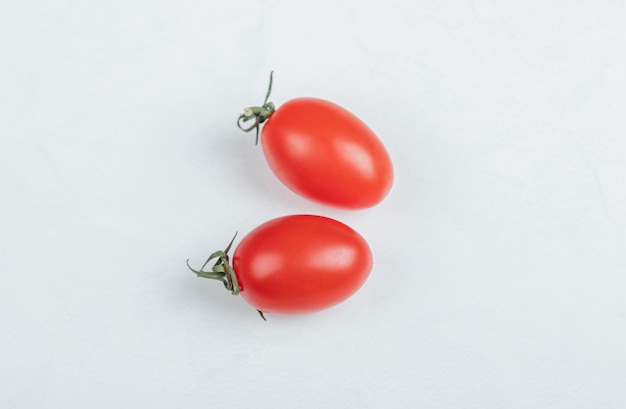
(325, 153)
(300, 263)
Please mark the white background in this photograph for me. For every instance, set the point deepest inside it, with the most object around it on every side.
(500, 267)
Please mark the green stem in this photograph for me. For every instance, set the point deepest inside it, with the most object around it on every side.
(221, 270)
(259, 114)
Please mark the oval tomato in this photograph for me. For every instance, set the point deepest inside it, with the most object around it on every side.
(323, 152)
(297, 264)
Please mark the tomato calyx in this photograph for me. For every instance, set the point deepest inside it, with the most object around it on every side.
(259, 114)
(221, 270)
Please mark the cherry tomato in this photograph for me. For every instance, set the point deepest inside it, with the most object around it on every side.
(296, 264)
(323, 152)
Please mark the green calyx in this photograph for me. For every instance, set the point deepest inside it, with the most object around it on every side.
(221, 270)
(258, 114)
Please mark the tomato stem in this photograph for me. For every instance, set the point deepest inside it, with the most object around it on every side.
(259, 114)
(221, 270)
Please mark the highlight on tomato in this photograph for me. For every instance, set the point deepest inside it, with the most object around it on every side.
(322, 151)
(293, 264)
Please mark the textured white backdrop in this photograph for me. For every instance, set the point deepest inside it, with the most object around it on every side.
(500, 266)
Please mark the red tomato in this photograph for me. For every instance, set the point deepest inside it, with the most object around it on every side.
(299, 264)
(323, 152)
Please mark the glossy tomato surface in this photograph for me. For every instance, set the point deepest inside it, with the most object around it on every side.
(300, 263)
(325, 153)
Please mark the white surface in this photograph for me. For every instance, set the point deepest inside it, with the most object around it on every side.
(500, 272)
